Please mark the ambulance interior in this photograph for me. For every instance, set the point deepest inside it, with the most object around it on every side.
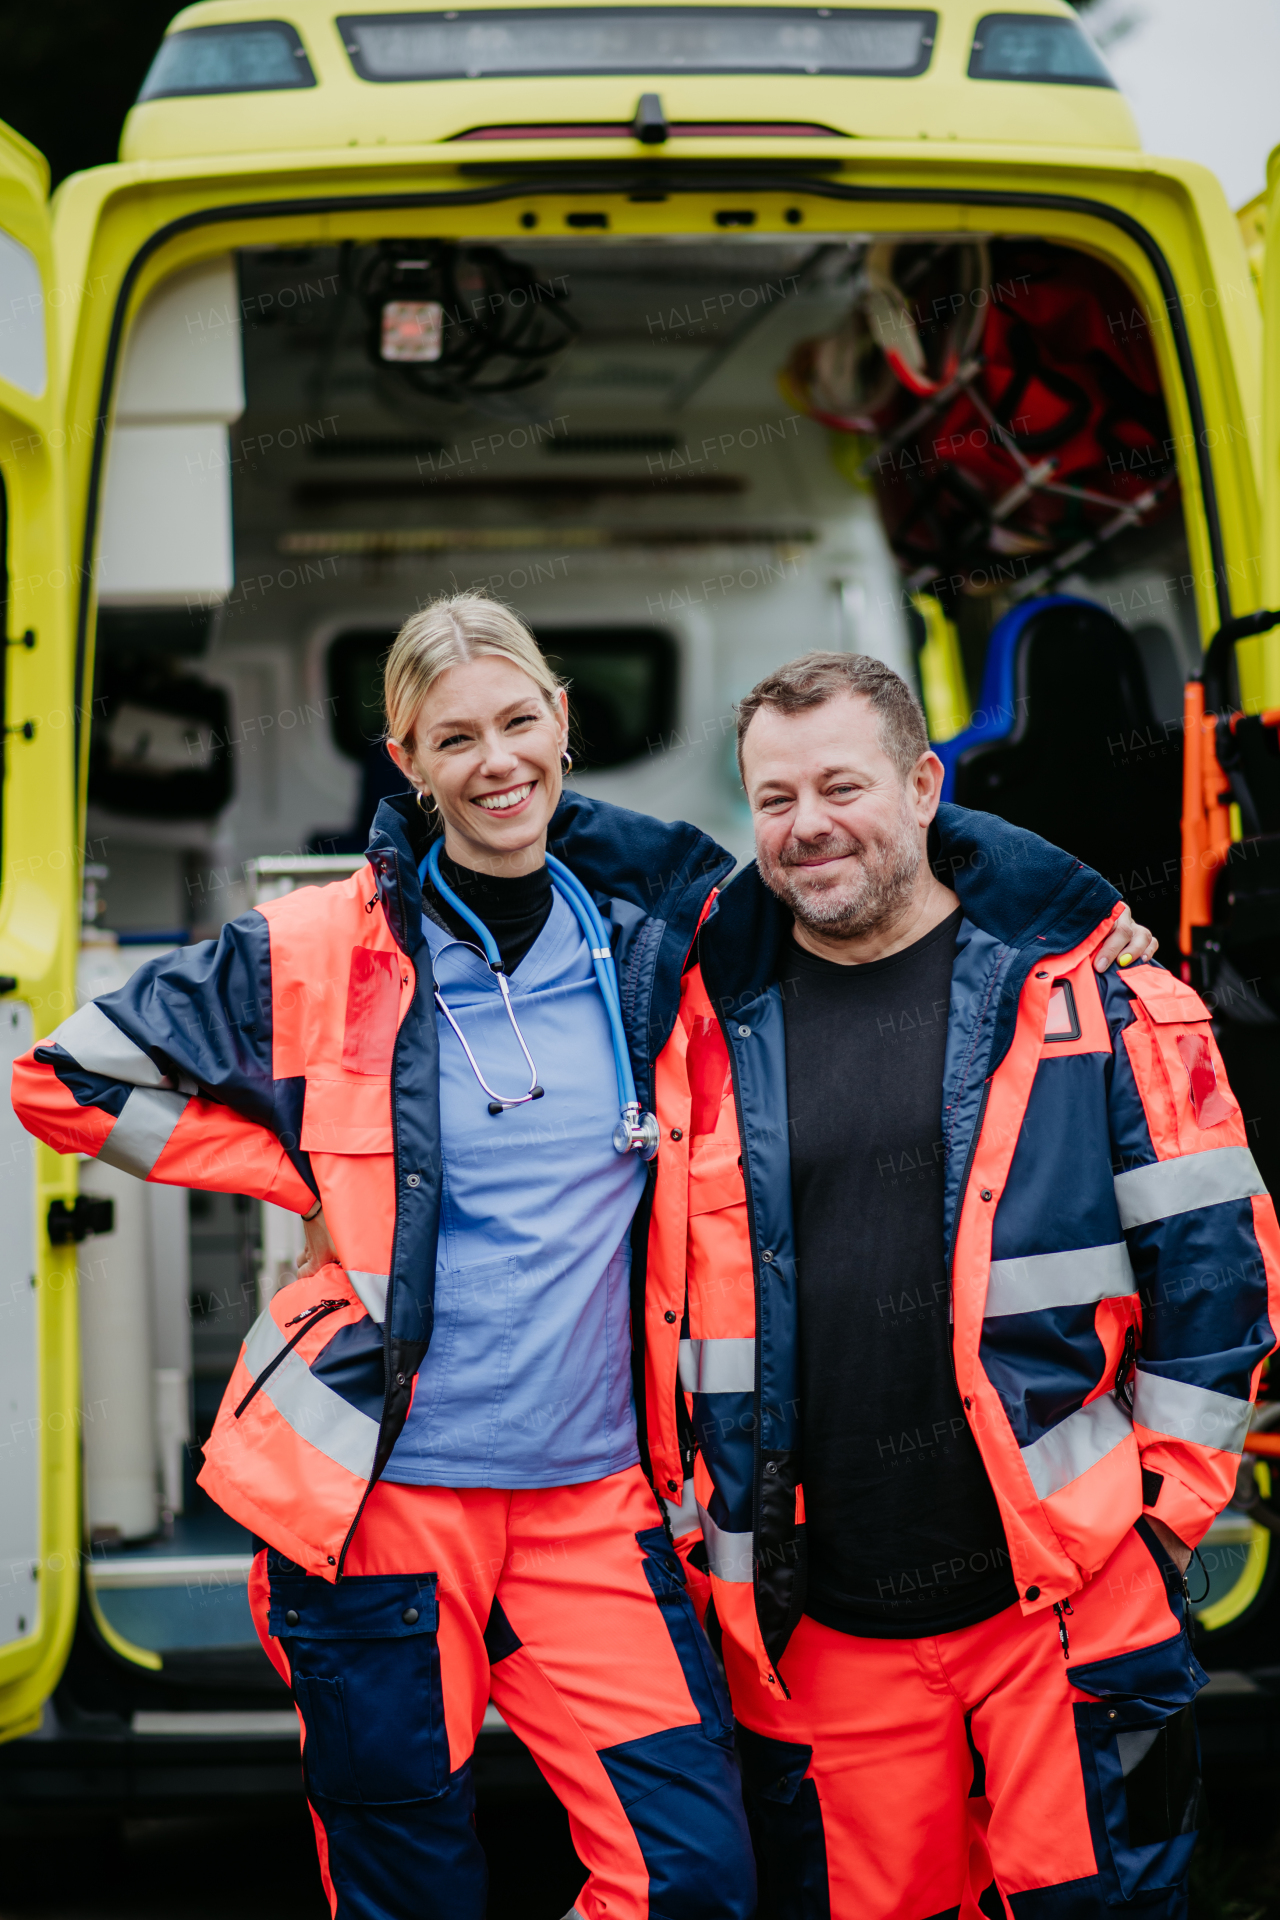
(684, 461)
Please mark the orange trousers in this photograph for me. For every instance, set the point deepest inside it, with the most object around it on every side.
(982, 1772)
(567, 1608)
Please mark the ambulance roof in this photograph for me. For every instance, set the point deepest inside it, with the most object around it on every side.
(525, 80)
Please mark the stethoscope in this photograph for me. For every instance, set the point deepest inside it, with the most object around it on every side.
(635, 1131)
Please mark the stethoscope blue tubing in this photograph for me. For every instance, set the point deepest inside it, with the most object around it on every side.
(586, 913)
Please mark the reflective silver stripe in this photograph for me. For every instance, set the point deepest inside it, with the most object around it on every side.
(372, 1289)
(1076, 1444)
(718, 1366)
(316, 1413)
(1189, 1413)
(683, 1518)
(141, 1133)
(1040, 1280)
(97, 1044)
(730, 1556)
(262, 1343)
(1192, 1180)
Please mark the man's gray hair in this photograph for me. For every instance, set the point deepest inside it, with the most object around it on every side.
(815, 678)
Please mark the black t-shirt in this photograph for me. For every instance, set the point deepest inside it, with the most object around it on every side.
(904, 1534)
(514, 909)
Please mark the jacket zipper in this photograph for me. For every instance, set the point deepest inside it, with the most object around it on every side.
(955, 1231)
(964, 1179)
(393, 1089)
(310, 1317)
(755, 1273)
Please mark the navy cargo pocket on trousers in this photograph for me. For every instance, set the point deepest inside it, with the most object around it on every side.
(663, 1571)
(786, 1827)
(366, 1677)
(1140, 1756)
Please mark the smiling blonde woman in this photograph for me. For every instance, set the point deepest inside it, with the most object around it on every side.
(433, 1429)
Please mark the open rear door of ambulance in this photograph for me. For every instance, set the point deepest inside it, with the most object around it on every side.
(40, 1412)
(1270, 282)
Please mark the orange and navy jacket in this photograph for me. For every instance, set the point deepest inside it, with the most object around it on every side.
(1113, 1255)
(295, 1057)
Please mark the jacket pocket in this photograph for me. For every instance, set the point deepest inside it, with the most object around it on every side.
(1140, 1756)
(373, 1011)
(365, 1666)
(347, 1116)
(718, 1249)
(715, 1176)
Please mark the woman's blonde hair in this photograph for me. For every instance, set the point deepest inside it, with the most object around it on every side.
(450, 632)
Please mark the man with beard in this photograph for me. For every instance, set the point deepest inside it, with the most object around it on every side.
(969, 1341)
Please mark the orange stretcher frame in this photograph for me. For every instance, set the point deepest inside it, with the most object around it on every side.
(1206, 791)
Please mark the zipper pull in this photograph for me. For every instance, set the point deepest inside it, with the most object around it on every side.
(1125, 1369)
(308, 1316)
(1062, 1608)
(319, 1307)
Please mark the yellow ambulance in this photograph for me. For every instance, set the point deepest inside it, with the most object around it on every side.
(703, 334)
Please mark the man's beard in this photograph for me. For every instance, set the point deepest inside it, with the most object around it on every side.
(853, 905)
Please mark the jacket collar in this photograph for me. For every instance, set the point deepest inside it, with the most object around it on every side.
(1011, 884)
(665, 869)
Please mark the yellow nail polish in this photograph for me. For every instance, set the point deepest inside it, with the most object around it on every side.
(1126, 959)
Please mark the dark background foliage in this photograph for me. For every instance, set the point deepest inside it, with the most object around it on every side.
(70, 70)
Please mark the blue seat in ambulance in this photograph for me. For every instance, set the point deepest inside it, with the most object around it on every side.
(1066, 743)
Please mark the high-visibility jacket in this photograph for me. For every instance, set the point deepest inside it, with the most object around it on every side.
(1113, 1254)
(296, 1057)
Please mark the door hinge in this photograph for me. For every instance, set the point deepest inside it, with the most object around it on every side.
(68, 1225)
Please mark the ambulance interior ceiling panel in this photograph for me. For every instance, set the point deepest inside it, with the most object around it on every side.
(225, 81)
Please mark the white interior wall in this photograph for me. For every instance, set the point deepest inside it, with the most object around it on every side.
(113, 1272)
(165, 534)
(135, 1324)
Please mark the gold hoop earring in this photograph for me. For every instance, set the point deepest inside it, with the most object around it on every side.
(427, 803)
(566, 761)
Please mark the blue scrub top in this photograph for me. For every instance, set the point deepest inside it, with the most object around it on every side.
(527, 1381)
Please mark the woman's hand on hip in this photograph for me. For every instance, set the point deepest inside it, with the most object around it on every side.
(321, 1251)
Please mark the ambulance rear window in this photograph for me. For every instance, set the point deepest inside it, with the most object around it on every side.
(648, 40)
(623, 684)
(256, 56)
(1036, 47)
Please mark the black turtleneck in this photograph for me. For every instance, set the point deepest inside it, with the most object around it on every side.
(514, 909)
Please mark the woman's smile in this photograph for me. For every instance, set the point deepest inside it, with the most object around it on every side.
(508, 801)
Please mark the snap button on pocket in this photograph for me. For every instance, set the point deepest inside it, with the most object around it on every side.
(291, 1618)
(413, 1180)
(410, 1616)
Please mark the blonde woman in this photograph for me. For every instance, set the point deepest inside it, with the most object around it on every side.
(432, 1429)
